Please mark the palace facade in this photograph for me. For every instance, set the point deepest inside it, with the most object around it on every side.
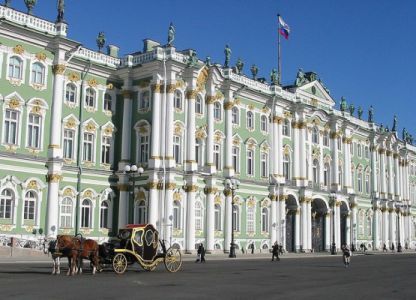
(72, 119)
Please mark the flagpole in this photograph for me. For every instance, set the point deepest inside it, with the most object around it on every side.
(279, 64)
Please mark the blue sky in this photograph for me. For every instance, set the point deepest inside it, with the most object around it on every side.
(362, 50)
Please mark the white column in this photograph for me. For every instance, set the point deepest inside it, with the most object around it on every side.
(406, 180)
(279, 155)
(126, 133)
(52, 215)
(274, 157)
(383, 189)
(354, 224)
(228, 170)
(374, 179)
(393, 227)
(348, 231)
(282, 220)
(153, 204)
(210, 133)
(190, 133)
(376, 230)
(170, 162)
(309, 220)
(155, 153)
(296, 150)
(338, 225)
(347, 164)
(168, 216)
(210, 218)
(297, 230)
(274, 220)
(304, 225)
(334, 162)
(327, 230)
(390, 170)
(386, 236)
(397, 177)
(190, 213)
(302, 150)
(228, 220)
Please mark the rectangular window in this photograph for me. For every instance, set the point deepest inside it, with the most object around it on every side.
(33, 135)
(197, 154)
(29, 213)
(217, 156)
(144, 148)
(264, 164)
(250, 162)
(236, 159)
(88, 147)
(177, 149)
(105, 150)
(11, 121)
(68, 150)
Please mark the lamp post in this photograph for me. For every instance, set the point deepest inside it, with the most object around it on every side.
(232, 184)
(333, 246)
(399, 246)
(132, 170)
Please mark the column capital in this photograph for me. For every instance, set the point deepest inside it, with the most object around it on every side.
(191, 94)
(54, 177)
(277, 120)
(228, 105)
(58, 69)
(210, 99)
(227, 192)
(156, 88)
(127, 94)
(170, 88)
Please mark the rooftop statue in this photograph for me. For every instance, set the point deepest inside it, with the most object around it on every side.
(7, 3)
(239, 66)
(343, 104)
(100, 41)
(208, 61)
(381, 128)
(404, 134)
(61, 9)
(193, 59)
(352, 109)
(300, 78)
(359, 112)
(30, 4)
(394, 128)
(227, 52)
(171, 34)
(274, 77)
(371, 115)
(254, 70)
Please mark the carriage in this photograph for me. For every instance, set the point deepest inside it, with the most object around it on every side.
(141, 244)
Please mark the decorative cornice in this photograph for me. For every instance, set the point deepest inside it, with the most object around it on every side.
(152, 185)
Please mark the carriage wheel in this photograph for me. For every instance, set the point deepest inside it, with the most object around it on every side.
(173, 260)
(120, 263)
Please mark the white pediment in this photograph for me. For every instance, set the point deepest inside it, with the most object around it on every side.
(316, 92)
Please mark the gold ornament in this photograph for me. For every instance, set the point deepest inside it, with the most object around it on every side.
(18, 49)
(58, 69)
(40, 56)
(14, 103)
(92, 82)
(73, 77)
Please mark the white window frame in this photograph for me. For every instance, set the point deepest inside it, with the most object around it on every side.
(66, 217)
(106, 149)
(251, 219)
(250, 164)
(235, 157)
(217, 156)
(104, 214)
(178, 100)
(177, 149)
(264, 124)
(264, 164)
(108, 100)
(90, 97)
(199, 105)
(34, 74)
(265, 223)
(86, 213)
(69, 93)
(217, 111)
(217, 217)
(72, 144)
(5, 201)
(144, 100)
(21, 67)
(177, 215)
(15, 121)
(286, 127)
(235, 116)
(86, 143)
(250, 120)
(199, 216)
(32, 127)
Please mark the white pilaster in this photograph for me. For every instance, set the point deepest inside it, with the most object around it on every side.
(155, 153)
(304, 225)
(274, 221)
(190, 133)
(327, 231)
(227, 221)
(228, 170)
(210, 194)
(169, 109)
(190, 212)
(335, 161)
(297, 230)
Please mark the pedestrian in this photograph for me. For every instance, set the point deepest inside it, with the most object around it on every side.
(346, 255)
(275, 251)
(384, 247)
(399, 247)
(252, 248)
(198, 258)
(280, 249)
(202, 253)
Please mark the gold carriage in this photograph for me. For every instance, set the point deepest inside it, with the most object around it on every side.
(141, 244)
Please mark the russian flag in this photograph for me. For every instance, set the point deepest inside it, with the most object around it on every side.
(284, 29)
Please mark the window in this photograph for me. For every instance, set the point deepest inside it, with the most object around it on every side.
(359, 150)
(88, 147)
(250, 120)
(11, 121)
(326, 175)
(264, 219)
(217, 216)
(236, 218)
(90, 97)
(235, 156)
(104, 214)
(69, 136)
(143, 148)
(176, 215)
(198, 152)
(339, 143)
(70, 92)
(315, 135)
(325, 139)
(235, 116)
(366, 152)
(315, 171)
(199, 108)
(286, 166)
(33, 131)
(250, 219)
(217, 111)
(360, 182)
(217, 156)
(144, 100)
(38, 73)
(250, 162)
(352, 149)
(177, 149)
(286, 127)
(264, 162)
(106, 150)
(30, 206)
(340, 178)
(369, 226)
(177, 100)
(108, 103)
(15, 68)
(66, 213)
(361, 224)
(140, 212)
(6, 204)
(198, 216)
(263, 123)
(367, 183)
(86, 214)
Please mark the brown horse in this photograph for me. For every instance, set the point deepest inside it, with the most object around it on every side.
(87, 249)
(63, 246)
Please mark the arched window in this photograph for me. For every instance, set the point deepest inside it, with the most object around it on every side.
(286, 166)
(15, 68)
(250, 120)
(236, 218)
(250, 220)
(143, 147)
(144, 100)
(315, 135)
(199, 105)
(106, 142)
(217, 216)
(217, 111)
(264, 219)
(108, 105)
(315, 171)
(86, 214)
(198, 216)
(70, 92)
(90, 97)
(176, 215)
(66, 213)
(286, 127)
(235, 157)
(263, 123)
(38, 73)
(177, 100)
(104, 214)
(140, 212)
(325, 139)
(235, 116)
(6, 204)
(327, 175)
(30, 206)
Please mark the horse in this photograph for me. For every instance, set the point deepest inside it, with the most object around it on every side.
(58, 248)
(88, 249)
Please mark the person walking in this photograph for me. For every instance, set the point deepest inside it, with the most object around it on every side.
(200, 253)
(252, 248)
(275, 251)
(384, 247)
(346, 255)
